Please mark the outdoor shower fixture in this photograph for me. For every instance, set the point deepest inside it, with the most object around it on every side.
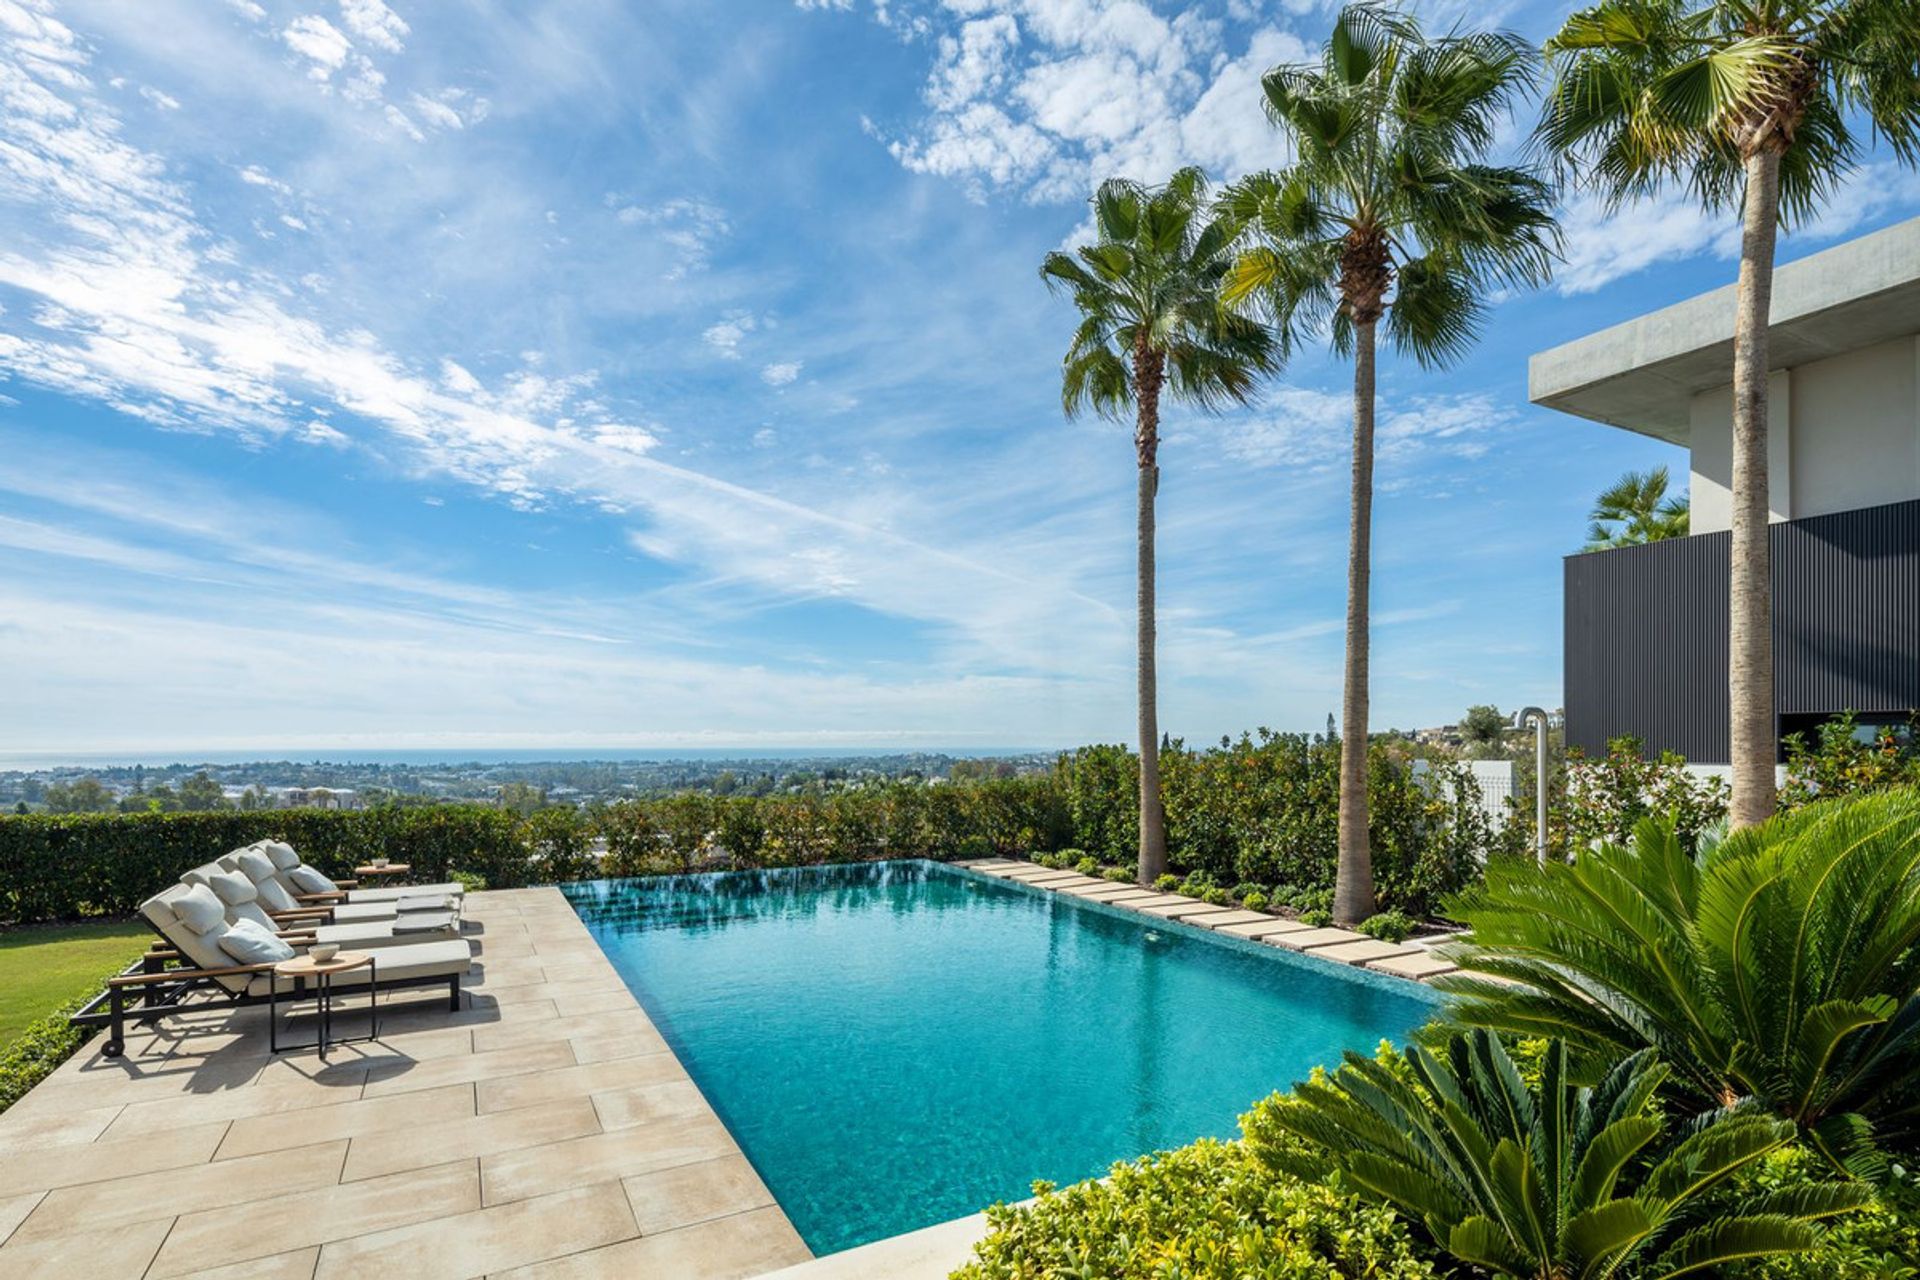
(1539, 719)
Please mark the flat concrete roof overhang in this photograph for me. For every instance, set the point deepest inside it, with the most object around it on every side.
(1642, 375)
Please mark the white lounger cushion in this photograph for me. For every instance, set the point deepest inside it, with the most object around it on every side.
(257, 867)
(241, 899)
(201, 947)
(307, 880)
(200, 909)
(427, 960)
(370, 934)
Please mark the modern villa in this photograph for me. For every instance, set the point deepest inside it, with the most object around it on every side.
(1646, 626)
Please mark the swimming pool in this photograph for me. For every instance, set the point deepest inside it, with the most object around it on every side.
(895, 1044)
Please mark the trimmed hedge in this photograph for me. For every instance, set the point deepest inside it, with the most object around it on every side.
(75, 866)
(42, 1046)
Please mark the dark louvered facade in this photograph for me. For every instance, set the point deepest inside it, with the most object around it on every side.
(1646, 631)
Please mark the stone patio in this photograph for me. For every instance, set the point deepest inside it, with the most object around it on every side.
(545, 1130)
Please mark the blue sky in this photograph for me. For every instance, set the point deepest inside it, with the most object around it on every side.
(677, 373)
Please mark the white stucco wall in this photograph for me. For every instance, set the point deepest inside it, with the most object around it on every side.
(1843, 432)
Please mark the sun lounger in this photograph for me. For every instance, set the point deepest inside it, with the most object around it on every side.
(278, 896)
(193, 921)
(310, 884)
(240, 895)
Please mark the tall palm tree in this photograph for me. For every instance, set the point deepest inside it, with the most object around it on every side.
(1748, 102)
(1151, 324)
(1388, 215)
(1635, 509)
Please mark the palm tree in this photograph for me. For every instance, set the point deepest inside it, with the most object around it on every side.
(1635, 509)
(1152, 324)
(1746, 101)
(1388, 215)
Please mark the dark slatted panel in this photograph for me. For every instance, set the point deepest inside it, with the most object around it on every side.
(1646, 630)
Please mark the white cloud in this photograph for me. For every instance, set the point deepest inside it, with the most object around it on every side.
(1304, 429)
(374, 23)
(164, 101)
(726, 336)
(320, 42)
(1047, 97)
(780, 374)
(690, 228)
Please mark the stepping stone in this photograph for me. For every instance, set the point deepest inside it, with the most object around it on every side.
(1233, 915)
(1266, 927)
(1184, 910)
(1152, 899)
(1006, 872)
(1130, 897)
(1101, 889)
(1419, 966)
(1057, 879)
(1308, 939)
(1363, 952)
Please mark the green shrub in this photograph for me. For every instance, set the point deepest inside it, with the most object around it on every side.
(1837, 763)
(1881, 1240)
(42, 1046)
(1166, 883)
(1284, 895)
(1317, 917)
(1216, 896)
(1087, 865)
(1255, 901)
(1779, 965)
(1204, 1212)
(1119, 875)
(1318, 901)
(1388, 926)
(561, 842)
(1557, 1180)
(1245, 887)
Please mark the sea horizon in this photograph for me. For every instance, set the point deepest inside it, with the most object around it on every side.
(33, 762)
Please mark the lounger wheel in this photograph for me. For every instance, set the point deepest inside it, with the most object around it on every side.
(113, 1048)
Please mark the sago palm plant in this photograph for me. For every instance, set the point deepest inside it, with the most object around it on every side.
(1756, 104)
(1779, 966)
(1556, 1182)
(1152, 325)
(1388, 216)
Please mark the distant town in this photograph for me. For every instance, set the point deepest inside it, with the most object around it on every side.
(280, 784)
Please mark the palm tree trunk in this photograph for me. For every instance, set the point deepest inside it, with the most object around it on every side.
(1153, 821)
(1753, 733)
(1353, 878)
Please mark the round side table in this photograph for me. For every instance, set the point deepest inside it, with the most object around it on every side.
(305, 969)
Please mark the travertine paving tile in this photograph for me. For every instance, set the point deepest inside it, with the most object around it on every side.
(100, 1208)
(1363, 951)
(316, 1216)
(1198, 911)
(1101, 889)
(560, 1166)
(297, 1264)
(1155, 900)
(592, 1002)
(393, 1114)
(194, 1108)
(25, 1131)
(1264, 928)
(1241, 916)
(732, 1248)
(1308, 939)
(121, 1254)
(100, 1161)
(492, 1240)
(680, 1197)
(624, 1108)
(541, 1055)
(629, 1021)
(470, 1138)
(571, 1082)
(1420, 965)
(14, 1211)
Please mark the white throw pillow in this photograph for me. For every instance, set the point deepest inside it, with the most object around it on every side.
(200, 909)
(310, 881)
(248, 943)
(253, 864)
(280, 853)
(232, 888)
(274, 897)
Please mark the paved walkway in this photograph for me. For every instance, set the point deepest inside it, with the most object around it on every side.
(545, 1130)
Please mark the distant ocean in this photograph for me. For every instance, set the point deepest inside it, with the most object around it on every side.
(29, 761)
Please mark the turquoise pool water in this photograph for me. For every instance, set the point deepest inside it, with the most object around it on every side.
(895, 1044)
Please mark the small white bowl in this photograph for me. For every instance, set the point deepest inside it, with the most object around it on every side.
(323, 951)
(380, 862)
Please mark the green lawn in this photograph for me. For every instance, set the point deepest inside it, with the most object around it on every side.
(42, 969)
